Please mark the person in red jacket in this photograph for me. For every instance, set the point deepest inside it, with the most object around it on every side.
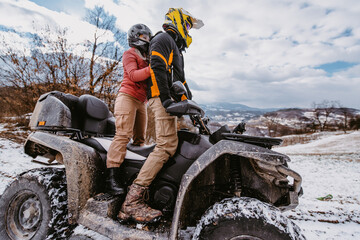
(130, 104)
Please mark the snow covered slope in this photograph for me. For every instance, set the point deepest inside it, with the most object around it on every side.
(328, 144)
(330, 165)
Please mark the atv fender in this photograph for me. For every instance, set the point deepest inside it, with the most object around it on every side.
(81, 165)
(259, 154)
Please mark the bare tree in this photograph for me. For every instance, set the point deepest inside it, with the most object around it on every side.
(272, 123)
(322, 112)
(18, 79)
(354, 122)
(61, 66)
(105, 69)
(347, 114)
(51, 63)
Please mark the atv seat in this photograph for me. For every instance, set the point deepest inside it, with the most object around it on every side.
(94, 117)
(141, 150)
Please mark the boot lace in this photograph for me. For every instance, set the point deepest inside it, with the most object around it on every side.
(146, 195)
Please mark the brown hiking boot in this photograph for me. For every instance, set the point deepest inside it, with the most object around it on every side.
(135, 208)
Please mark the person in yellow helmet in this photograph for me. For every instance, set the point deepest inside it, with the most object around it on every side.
(181, 21)
(166, 67)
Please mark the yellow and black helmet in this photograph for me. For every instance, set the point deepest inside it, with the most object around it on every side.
(181, 21)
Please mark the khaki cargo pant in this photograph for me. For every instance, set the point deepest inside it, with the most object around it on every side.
(166, 143)
(131, 120)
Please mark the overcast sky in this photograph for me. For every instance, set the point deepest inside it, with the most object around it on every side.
(262, 53)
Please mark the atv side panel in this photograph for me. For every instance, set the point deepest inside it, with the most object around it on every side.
(257, 154)
(83, 167)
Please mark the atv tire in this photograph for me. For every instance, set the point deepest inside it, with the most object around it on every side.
(35, 206)
(245, 218)
(80, 237)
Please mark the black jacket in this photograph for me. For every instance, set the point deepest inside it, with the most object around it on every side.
(166, 67)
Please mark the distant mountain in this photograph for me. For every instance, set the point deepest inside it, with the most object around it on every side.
(232, 113)
(300, 120)
(284, 121)
(224, 106)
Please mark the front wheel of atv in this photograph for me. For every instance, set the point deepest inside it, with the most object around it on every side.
(35, 206)
(80, 237)
(245, 218)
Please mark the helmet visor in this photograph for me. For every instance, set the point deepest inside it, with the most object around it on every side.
(195, 22)
(188, 26)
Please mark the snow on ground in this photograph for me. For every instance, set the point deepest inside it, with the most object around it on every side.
(328, 144)
(13, 161)
(330, 165)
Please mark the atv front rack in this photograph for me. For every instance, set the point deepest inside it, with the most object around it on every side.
(266, 142)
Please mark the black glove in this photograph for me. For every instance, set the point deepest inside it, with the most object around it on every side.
(167, 103)
(169, 108)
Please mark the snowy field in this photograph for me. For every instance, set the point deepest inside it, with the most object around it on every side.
(330, 165)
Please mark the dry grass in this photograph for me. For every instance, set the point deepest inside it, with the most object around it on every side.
(15, 129)
(18, 137)
(304, 138)
(295, 139)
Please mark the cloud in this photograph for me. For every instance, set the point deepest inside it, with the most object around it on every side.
(26, 16)
(257, 52)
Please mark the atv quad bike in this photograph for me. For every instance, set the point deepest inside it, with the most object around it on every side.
(220, 185)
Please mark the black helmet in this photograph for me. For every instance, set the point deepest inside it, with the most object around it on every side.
(139, 37)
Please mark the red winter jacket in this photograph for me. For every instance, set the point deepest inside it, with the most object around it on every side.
(136, 72)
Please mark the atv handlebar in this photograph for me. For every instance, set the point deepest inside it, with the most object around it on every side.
(201, 123)
(186, 107)
(191, 108)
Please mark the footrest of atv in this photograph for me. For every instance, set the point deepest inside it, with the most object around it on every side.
(105, 204)
(100, 216)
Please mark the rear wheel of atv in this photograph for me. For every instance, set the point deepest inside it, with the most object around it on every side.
(245, 218)
(35, 206)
